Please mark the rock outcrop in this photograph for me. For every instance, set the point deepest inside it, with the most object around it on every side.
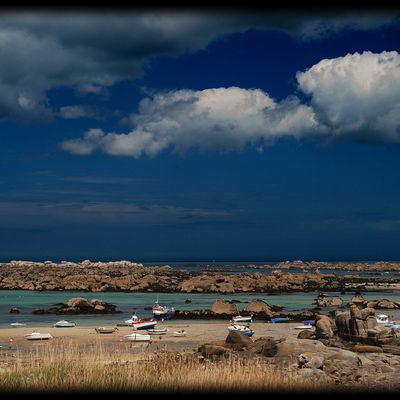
(80, 305)
(224, 307)
(127, 276)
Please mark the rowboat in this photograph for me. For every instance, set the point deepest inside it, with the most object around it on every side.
(303, 327)
(281, 319)
(241, 328)
(38, 336)
(64, 324)
(105, 329)
(162, 331)
(138, 323)
(138, 337)
(180, 333)
(242, 319)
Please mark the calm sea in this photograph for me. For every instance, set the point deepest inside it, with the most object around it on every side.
(128, 303)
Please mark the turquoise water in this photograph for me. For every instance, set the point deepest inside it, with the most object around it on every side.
(128, 303)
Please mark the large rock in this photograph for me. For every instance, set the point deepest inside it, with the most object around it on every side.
(224, 307)
(325, 328)
(79, 302)
(238, 340)
(266, 346)
(357, 299)
(212, 350)
(259, 306)
(294, 347)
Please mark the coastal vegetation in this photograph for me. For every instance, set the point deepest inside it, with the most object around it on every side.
(66, 366)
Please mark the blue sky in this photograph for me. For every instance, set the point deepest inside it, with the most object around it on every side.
(198, 135)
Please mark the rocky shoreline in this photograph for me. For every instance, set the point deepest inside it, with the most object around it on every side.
(351, 350)
(127, 276)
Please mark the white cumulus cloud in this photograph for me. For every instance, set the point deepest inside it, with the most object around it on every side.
(356, 96)
(222, 119)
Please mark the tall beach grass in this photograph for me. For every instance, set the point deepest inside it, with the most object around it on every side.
(66, 366)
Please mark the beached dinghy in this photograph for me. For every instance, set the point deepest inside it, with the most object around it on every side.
(138, 337)
(280, 319)
(303, 327)
(64, 324)
(162, 331)
(38, 336)
(180, 333)
(105, 329)
(241, 319)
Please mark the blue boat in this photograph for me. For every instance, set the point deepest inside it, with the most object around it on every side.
(241, 328)
(310, 322)
(281, 319)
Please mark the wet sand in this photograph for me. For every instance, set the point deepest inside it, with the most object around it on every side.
(198, 333)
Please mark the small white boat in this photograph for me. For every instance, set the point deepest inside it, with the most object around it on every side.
(242, 319)
(303, 327)
(180, 333)
(162, 331)
(17, 324)
(382, 319)
(241, 328)
(138, 337)
(38, 336)
(64, 324)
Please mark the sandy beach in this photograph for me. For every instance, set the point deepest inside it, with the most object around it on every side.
(197, 333)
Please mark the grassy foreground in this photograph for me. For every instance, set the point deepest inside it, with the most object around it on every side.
(68, 367)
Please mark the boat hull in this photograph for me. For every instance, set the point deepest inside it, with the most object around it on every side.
(138, 338)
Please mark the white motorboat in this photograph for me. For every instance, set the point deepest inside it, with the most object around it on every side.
(64, 324)
(382, 319)
(180, 333)
(38, 336)
(241, 328)
(138, 337)
(138, 323)
(241, 319)
(17, 324)
(162, 331)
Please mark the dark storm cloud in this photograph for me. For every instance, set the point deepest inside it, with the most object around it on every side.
(92, 51)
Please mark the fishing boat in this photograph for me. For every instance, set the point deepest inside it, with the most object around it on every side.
(180, 333)
(138, 337)
(239, 319)
(280, 319)
(241, 328)
(162, 331)
(138, 323)
(105, 329)
(38, 336)
(162, 312)
(17, 324)
(64, 324)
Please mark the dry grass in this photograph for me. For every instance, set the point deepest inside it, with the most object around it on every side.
(68, 367)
